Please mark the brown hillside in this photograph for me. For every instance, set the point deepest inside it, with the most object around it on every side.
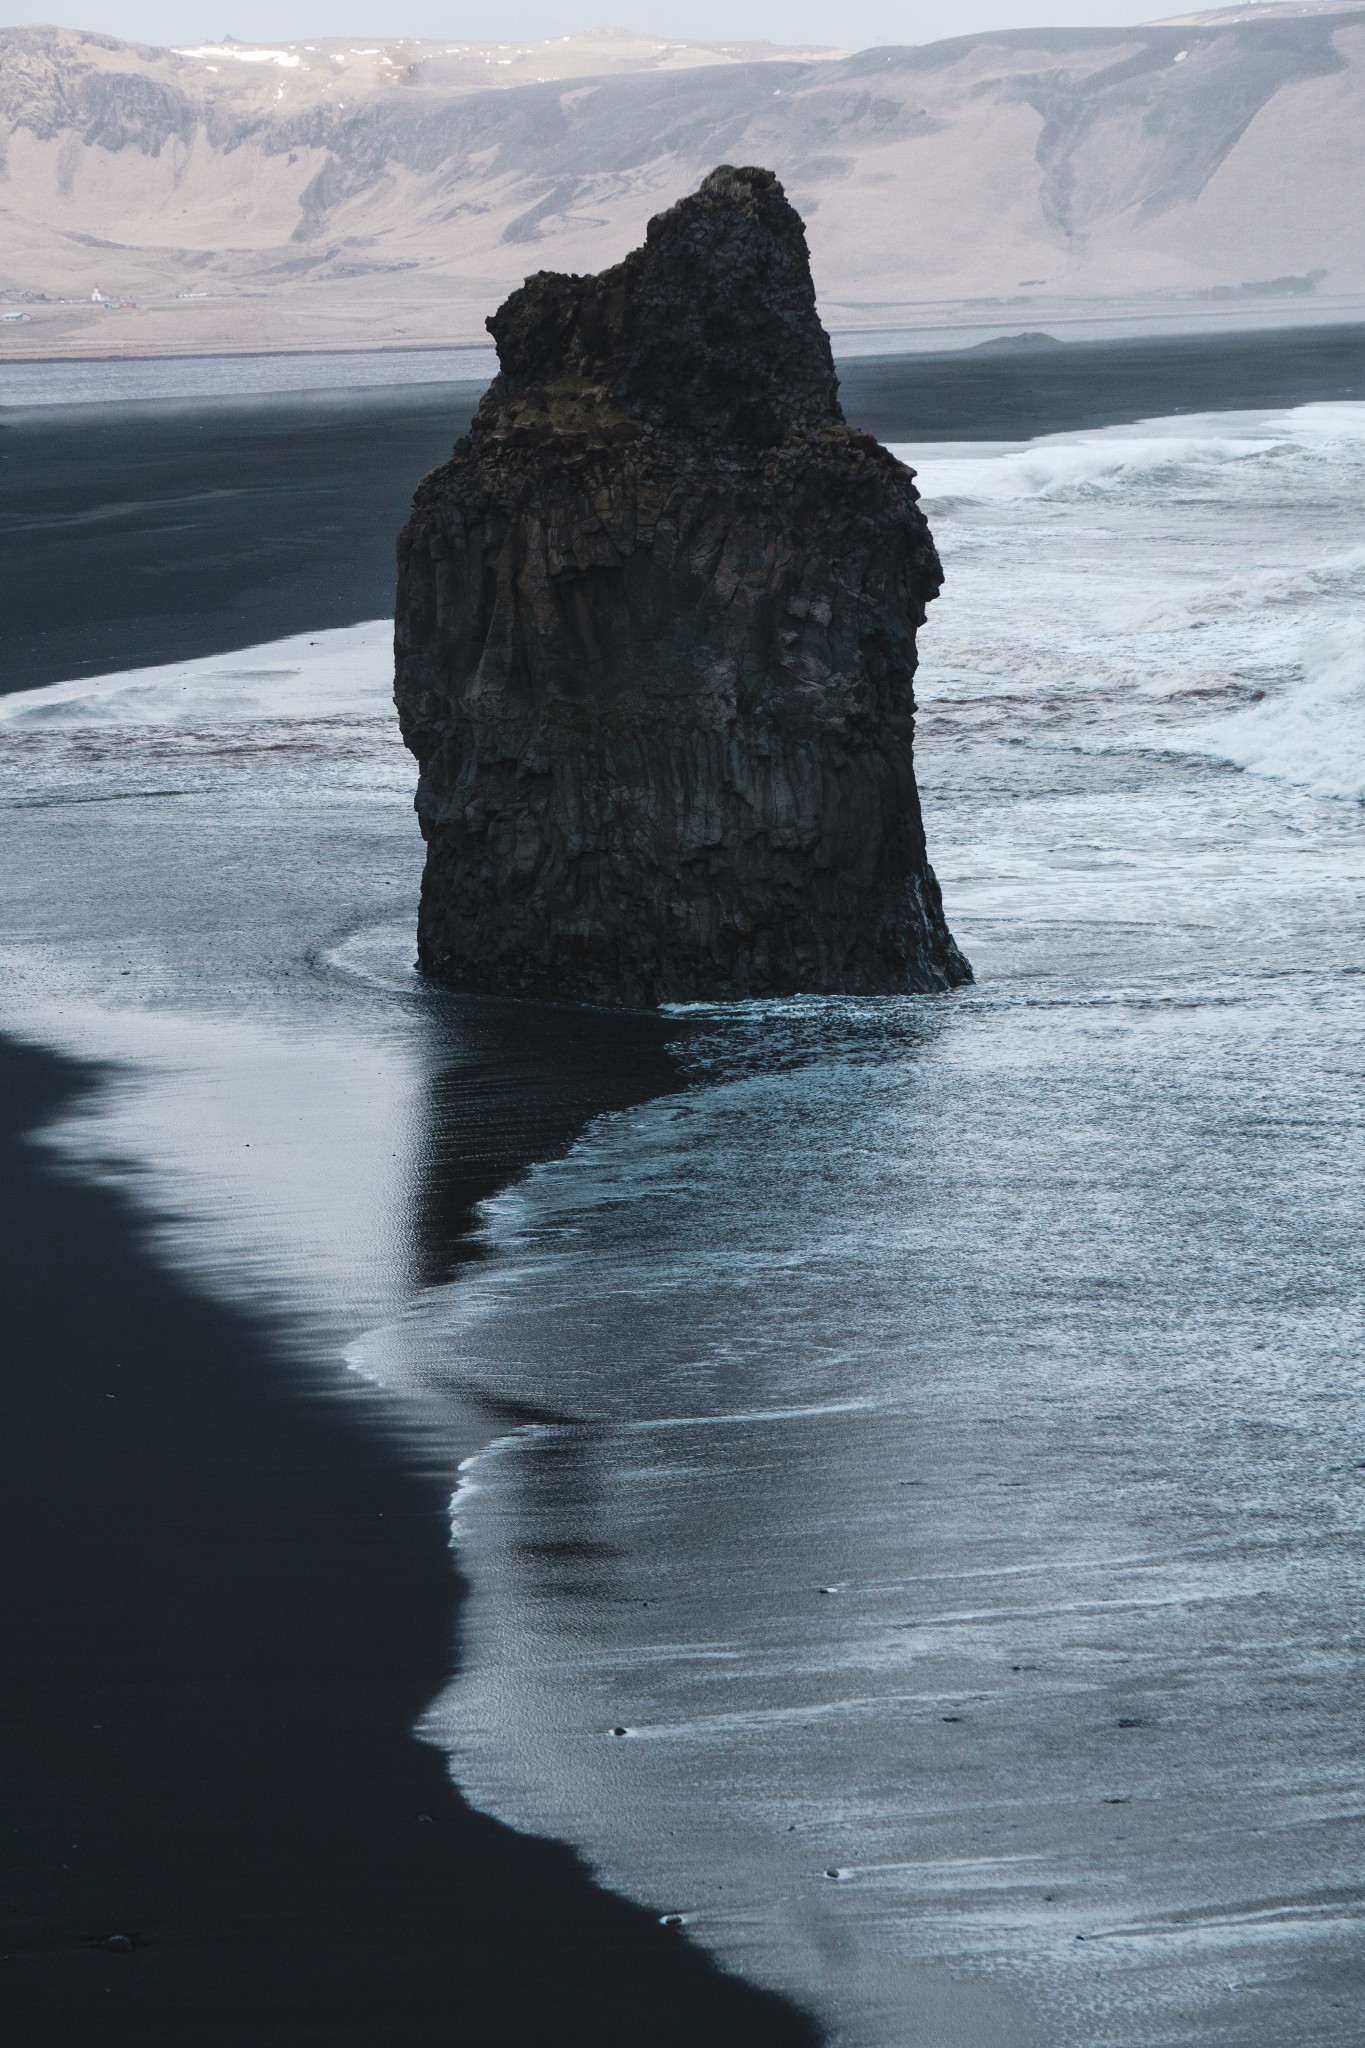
(339, 195)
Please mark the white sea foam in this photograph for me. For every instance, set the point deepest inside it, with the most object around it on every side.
(1192, 568)
(1313, 734)
(1287, 588)
(1065, 467)
(343, 673)
(1174, 454)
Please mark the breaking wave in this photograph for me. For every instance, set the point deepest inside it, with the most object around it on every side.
(1313, 735)
(1175, 453)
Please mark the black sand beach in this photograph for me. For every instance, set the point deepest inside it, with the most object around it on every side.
(133, 535)
(137, 535)
(229, 1590)
(1004, 395)
(228, 1595)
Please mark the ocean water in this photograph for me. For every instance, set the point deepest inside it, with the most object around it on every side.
(911, 1481)
(132, 379)
(951, 1473)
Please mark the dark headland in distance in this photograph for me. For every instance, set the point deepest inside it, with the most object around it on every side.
(227, 1593)
(133, 535)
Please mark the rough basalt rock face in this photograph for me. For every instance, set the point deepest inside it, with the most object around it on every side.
(656, 643)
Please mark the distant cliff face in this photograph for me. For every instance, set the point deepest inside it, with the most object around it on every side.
(656, 642)
(307, 195)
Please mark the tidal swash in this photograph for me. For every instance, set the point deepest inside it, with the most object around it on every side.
(933, 1435)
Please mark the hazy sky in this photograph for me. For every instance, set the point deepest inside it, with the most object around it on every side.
(851, 24)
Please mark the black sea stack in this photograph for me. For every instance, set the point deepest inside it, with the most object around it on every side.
(656, 644)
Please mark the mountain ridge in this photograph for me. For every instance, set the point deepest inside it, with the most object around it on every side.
(390, 194)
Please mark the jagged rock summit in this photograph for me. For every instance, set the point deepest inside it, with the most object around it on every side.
(656, 644)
